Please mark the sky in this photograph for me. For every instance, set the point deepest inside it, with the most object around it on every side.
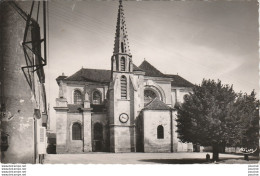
(194, 39)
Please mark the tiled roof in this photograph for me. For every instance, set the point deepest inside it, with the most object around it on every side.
(74, 107)
(156, 104)
(150, 70)
(179, 81)
(92, 75)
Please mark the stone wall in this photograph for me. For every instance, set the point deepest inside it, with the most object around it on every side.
(74, 146)
(121, 134)
(64, 123)
(61, 131)
(70, 87)
(18, 100)
(152, 119)
(177, 94)
(102, 119)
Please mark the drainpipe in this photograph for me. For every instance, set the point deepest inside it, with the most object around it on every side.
(35, 138)
(171, 130)
(82, 111)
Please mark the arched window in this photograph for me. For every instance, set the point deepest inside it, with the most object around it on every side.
(97, 98)
(122, 63)
(160, 132)
(123, 87)
(76, 131)
(149, 95)
(77, 97)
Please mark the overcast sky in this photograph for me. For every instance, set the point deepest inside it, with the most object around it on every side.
(196, 39)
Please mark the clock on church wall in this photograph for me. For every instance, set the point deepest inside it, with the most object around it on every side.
(123, 118)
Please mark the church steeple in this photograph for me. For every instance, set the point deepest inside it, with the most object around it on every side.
(121, 60)
(121, 96)
(121, 41)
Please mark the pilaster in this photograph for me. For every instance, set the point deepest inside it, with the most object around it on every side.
(87, 129)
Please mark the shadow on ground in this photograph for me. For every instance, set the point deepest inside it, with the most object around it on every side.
(201, 161)
(176, 161)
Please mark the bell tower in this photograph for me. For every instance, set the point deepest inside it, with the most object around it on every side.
(121, 112)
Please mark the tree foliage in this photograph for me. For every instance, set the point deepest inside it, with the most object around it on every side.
(215, 115)
(246, 111)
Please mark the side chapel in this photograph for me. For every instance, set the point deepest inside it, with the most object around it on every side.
(126, 109)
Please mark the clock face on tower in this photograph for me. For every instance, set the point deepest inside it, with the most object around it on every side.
(123, 118)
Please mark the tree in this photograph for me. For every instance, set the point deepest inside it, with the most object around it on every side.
(204, 117)
(246, 111)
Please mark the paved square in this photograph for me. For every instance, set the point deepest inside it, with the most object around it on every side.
(133, 158)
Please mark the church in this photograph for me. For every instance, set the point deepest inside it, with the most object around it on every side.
(128, 108)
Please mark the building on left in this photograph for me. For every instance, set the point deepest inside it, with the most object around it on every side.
(23, 103)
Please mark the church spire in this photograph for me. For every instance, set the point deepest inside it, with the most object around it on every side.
(121, 41)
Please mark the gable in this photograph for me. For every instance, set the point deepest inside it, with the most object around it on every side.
(150, 70)
(156, 104)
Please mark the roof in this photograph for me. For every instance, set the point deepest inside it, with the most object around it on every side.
(103, 76)
(73, 108)
(135, 68)
(157, 104)
(179, 81)
(150, 70)
(92, 75)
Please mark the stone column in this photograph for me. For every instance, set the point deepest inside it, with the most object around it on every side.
(87, 142)
(61, 125)
(86, 121)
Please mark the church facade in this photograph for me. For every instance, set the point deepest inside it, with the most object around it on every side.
(128, 108)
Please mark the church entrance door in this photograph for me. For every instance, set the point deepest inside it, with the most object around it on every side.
(98, 138)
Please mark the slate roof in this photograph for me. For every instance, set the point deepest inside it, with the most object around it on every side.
(92, 75)
(135, 68)
(103, 76)
(74, 108)
(179, 81)
(150, 70)
(157, 104)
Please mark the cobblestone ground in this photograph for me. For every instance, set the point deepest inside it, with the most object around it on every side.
(134, 158)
